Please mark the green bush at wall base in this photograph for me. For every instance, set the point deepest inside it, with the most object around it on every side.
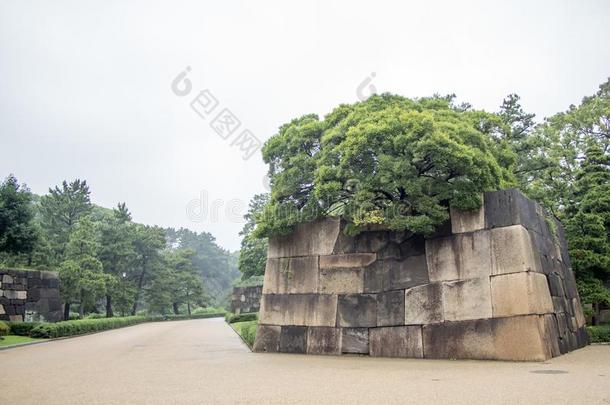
(4, 329)
(233, 318)
(22, 328)
(599, 334)
(247, 331)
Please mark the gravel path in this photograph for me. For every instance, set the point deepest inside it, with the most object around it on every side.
(204, 362)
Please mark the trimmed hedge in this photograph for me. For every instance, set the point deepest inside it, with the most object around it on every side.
(233, 318)
(599, 334)
(82, 326)
(22, 328)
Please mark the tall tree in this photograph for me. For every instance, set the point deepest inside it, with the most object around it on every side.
(117, 253)
(148, 244)
(60, 210)
(81, 277)
(588, 227)
(253, 252)
(18, 234)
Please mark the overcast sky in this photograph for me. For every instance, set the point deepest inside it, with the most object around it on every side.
(85, 86)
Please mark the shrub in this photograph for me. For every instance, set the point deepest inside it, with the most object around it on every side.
(599, 334)
(247, 331)
(81, 326)
(22, 328)
(4, 329)
(208, 310)
(233, 318)
(73, 316)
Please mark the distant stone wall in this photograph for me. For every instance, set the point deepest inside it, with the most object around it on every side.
(28, 295)
(491, 284)
(246, 299)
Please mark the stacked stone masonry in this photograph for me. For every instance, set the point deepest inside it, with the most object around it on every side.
(246, 299)
(28, 295)
(495, 283)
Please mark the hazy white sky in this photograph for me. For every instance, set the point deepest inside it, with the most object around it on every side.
(85, 86)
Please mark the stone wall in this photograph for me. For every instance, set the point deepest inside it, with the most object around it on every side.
(246, 299)
(28, 295)
(491, 284)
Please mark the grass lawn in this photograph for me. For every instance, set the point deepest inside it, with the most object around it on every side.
(13, 340)
(247, 330)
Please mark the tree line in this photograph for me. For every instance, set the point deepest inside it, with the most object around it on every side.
(106, 262)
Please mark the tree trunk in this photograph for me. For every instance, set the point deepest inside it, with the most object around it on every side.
(140, 284)
(81, 307)
(188, 303)
(109, 313)
(176, 308)
(596, 311)
(66, 311)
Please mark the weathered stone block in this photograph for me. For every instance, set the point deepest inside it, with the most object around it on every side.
(550, 334)
(376, 278)
(520, 294)
(466, 299)
(348, 260)
(364, 242)
(6, 279)
(512, 251)
(16, 318)
(459, 257)
(578, 314)
(298, 309)
(415, 245)
(357, 310)
(424, 304)
(293, 339)
(510, 207)
(556, 285)
(296, 275)
(341, 281)
(467, 221)
(515, 338)
(10, 294)
(323, 340)
(308, 239)
(397, 341)
(355, 340)
(22, 295)
(391, 308)
(2, 312)
(267, 339)
(411, 271)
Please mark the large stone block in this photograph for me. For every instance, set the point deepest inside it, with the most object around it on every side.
(16, 318)
(467, 221)
(459, 257)
(391, 308)
(2, 312)
(512, 251)
(348, 260)
(323, 340)
(556, 285)
(578, 314)
(296, 275)
(520, 294)
(467, 299)
(355, 340)
(341, 281)
(414, 245)
(424, 304)
(298, 309)
(293, 339)
(357, 310)
(516, 338)
(308, 239)
(376, 278)
(364, 242)
(396, 341)
(267, 339)
(406, 273)
(510, 207)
